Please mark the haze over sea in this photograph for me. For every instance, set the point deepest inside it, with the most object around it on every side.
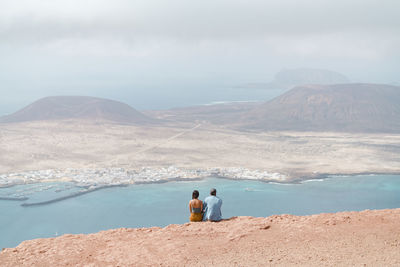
(163, 204)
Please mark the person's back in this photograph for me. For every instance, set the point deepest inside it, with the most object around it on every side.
(196, 208)
(212, 204)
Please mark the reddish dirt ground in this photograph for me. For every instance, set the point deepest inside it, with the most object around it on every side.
(367, 238)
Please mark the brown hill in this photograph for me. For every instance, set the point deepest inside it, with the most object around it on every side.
(367, 238)
(78, 107)
(342, 107)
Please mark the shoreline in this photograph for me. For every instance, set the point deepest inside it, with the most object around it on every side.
(288, 179)
(167, 180)
(298, 179)
(88, 188)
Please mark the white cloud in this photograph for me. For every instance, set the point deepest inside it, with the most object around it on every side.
(128, 43)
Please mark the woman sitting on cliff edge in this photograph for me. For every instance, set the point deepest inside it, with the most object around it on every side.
(196, 207)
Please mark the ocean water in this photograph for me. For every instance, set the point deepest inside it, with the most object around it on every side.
(163, 204)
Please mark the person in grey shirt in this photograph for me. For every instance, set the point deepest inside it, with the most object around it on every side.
(212, 207)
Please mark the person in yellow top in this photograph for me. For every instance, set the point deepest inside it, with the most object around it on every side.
(196, 207)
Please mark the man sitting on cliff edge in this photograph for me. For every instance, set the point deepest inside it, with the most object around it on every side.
(212, 207)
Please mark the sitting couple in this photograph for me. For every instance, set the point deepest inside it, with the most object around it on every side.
(210, 210)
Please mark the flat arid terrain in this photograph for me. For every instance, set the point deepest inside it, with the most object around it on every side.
(77, 144)
(367, 238)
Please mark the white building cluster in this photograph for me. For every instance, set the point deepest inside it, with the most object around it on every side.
(121, 176)
(243, 173)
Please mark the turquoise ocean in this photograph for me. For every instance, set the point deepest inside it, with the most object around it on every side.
(162, 204)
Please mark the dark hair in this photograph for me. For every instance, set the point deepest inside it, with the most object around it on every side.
(195, 194)
(213, 191)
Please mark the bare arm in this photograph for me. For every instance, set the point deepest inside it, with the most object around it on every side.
(190, 206)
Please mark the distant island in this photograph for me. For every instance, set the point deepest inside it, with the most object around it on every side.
(288, 78)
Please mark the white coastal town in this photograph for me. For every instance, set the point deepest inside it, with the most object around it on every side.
(119, 176)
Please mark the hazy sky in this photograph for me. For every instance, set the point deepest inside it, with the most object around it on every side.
(160, 54)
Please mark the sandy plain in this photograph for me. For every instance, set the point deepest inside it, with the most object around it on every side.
(367, 238)
(78, 144)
